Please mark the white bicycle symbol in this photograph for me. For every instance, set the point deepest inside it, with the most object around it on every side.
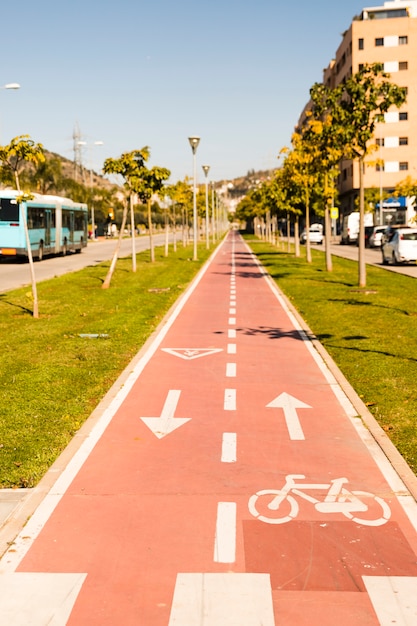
(271, 505)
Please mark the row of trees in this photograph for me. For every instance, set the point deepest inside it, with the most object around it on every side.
(50, 176)
(23, 165)
(340, 124)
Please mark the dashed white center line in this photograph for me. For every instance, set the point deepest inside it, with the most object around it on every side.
(231, 333)
(225, 539)
(231, 370)
(232, 320)
(229, 453)
(231, 348)
(229, 400)
(232, 311)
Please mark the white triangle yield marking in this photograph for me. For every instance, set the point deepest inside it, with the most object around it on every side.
(191, 353)
(38, 599)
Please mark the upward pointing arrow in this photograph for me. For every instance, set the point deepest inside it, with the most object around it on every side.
(289, 404)
(166, 423)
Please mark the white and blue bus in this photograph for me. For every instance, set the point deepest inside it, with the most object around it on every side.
(56, 225)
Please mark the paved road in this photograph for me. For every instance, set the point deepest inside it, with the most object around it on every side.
(15, 274)
(373, 256)
(226, 480)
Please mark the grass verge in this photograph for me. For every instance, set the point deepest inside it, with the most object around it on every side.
(370, 333)
(51, 378)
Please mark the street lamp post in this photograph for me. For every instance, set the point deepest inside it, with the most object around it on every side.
(206, 169)
(194, 141)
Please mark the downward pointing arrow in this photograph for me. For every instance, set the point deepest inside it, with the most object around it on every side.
(289, 404)
(166, 423)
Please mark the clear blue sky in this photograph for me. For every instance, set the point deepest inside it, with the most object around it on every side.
(133, 73)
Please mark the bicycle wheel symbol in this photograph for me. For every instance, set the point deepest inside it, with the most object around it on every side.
(261, 506)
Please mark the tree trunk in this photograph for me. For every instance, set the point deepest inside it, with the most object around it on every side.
(112, 267)
(361, 235)
(327, 237)
(151, 249)
(297, 236)
(30, 256)
(308, 246)
(132, 230)
(327, 224)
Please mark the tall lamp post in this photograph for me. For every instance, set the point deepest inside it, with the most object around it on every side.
(206, 169)
(95, 143)
(194, 141)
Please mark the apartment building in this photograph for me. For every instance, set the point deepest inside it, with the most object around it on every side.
(384, 34)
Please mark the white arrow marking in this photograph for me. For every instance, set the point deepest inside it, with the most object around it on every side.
(166, 423)
(289, 404)
(191, 353)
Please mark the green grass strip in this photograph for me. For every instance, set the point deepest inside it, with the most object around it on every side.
(370, 333)
(51, 379)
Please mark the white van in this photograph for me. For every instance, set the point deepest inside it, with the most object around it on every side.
(350, 226)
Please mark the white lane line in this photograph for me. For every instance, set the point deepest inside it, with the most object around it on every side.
(232, 311)
(394, 599)
(232, 320)
(226, 599)
(231, 348)
(230, 399)
(225, 539)
(231, 333)
(229, 448)
(231, 370)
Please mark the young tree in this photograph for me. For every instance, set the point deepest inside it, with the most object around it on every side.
(302, 162)
(127, 165)
(329, 139)
(365, 97)
(21, 150)
(147, 182)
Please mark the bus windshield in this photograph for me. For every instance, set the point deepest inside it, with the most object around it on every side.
(9, 210)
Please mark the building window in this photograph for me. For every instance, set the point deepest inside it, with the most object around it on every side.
(403, 41)
(403, 141)
(361, 44)
(403, 65)
(380, 141)
(403, 116)
(379, 167)
(403, 166)
(379, 41)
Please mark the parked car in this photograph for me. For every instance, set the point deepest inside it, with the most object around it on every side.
(315, 234)
(350, 227)
(401, 247)
(390, 231)
(375, 236)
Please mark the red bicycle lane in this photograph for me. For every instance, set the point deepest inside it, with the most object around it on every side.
(171, 518)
